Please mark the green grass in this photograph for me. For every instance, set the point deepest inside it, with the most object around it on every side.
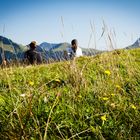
(99, 99)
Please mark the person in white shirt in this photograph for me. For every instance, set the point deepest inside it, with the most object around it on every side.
(74, 50)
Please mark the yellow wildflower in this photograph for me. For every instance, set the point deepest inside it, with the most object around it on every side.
(57, 80)
(31, 83)
(117, 86)
(105, 98)
(112, 94)
(134, 107)
(103, 118)
(107, 72)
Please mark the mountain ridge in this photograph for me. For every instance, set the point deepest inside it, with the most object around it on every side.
(12, 50)
(136, 44)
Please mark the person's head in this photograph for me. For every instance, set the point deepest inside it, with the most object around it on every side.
(32, 45)
(74, 44)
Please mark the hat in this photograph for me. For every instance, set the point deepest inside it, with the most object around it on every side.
(33, 44)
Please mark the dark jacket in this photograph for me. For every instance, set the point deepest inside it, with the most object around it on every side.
(33, 57)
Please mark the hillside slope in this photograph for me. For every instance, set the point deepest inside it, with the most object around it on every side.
(10, 50)
(88, 98)
(136, 44)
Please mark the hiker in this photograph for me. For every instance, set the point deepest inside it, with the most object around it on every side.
(31, 55)
(74, 50)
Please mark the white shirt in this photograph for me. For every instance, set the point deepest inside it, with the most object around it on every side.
(78, 52)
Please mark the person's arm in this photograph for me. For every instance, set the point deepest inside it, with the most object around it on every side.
(25, 57)
(39, 58)
(79, 52)
(71, 53)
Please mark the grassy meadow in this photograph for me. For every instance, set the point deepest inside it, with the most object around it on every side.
(86, 98)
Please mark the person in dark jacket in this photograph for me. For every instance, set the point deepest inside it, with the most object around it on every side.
(31, 55)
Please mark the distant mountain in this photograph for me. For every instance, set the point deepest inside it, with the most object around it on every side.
(135, 45)
(9, 45)
(90, 51)
(56, 51)
(52, 51)
(47, 46)
(50, 46)
(10, 50)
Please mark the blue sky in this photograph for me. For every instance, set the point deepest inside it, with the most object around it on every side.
(58, 21)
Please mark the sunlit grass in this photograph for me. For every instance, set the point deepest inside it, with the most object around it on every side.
(86, 98)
